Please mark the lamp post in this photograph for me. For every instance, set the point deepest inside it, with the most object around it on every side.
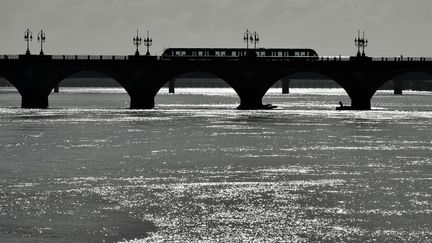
(148, 42)
(365, 44)
(41, 38)
(357, 43)
(361, 44)
(137, 42)
(255, 38)
(28, 36)
(247, 37)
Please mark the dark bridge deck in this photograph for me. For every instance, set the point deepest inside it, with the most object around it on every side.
(143, 76)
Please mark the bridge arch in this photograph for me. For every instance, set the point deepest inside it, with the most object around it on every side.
(54, 78)
(94, 89)
(5, 80)
(308, 79)
(405, 79)
(9, 95)
(63, 75)
(198, 77)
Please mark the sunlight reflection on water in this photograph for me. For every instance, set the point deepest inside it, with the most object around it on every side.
(196, 169)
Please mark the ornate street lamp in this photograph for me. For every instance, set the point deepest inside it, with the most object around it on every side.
(247, 37)
(137, 42)
(358, 43)
(365, 44)
(361, 44)
(148, 42)
(28, 36)
(255, 39)
(41, 38)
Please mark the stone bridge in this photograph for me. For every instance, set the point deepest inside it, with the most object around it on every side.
(35, 76)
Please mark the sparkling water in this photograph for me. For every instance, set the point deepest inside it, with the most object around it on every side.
(196, 169)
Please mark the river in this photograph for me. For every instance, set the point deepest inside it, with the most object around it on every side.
(196, 169)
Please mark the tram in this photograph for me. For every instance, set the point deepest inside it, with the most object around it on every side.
(239, 52)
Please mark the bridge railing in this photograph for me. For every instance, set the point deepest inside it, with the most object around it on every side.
(402, 59)
(13, 57)
(88, 57)
(334, 58)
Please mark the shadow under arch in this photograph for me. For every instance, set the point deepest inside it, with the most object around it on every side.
(9, 95)
(409, 80)
(90, 78)
(199, 78)
(306, 84)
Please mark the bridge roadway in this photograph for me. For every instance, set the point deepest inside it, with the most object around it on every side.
(142, 77)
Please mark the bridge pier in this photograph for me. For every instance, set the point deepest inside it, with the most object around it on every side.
(171, 86)
(250, 103)
(285, 85)
(142, 101)
(360, 104)
(253, 102)
(398, 87)
(33, 100)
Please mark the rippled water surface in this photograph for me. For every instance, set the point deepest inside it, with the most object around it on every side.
(197, 169)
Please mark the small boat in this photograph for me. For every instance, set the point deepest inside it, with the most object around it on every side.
(342, 107)
(269, 106)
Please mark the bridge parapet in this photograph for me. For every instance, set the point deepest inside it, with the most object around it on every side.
(9, 57)
(402, 59)
(334, 58)
(89, 57)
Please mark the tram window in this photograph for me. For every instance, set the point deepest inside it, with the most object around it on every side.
(220, 53)
(302, 53)
(200, 53)
(297, 54)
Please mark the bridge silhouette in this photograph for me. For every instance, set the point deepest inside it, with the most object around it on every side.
(35, 76)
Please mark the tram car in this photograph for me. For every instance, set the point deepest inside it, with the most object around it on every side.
(239, 52)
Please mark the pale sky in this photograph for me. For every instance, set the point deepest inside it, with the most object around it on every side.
(393, 27)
